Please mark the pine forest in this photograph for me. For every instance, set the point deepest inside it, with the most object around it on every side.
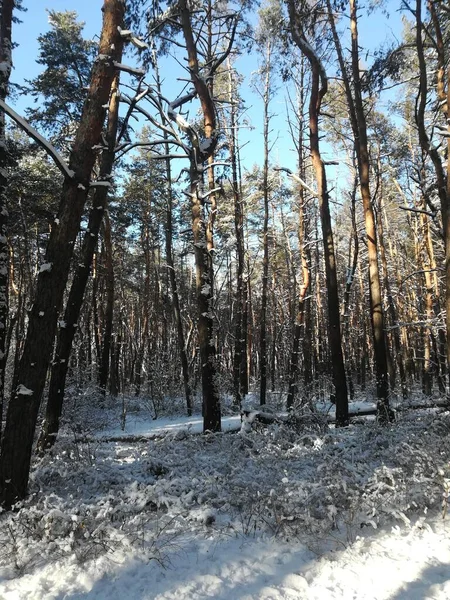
(224, 297)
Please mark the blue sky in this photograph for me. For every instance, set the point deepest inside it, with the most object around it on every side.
(374, 30)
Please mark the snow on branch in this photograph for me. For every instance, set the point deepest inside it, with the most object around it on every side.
(418, 210)
(177, 117)
(298, 179)
(100, 183)
(128, 69)
(210, 193)
(217, 163)
(129, 36)
(37, 137)
(441, 131)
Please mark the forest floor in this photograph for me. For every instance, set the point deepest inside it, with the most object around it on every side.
(285, 511)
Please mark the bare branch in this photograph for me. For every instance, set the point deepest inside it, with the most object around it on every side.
(37, 137)
(297, 179)
(131, 70)
(418, 210)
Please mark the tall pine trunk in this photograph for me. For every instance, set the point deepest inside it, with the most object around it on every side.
(203, 258)
(69, 325)
(175, 289)
(103, 373)
(376, 302)
(359, 128)
(442, 178)
(265, 272)
(32, 370)
(319, 86)
(6, 12)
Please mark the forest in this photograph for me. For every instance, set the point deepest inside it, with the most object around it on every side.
(147, 261)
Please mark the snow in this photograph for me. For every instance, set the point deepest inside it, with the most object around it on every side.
(45, 267)
(136, 426)
(106, 184)
(289, 511)
(180, 120)
(409, 566)
(206, 289)
(23, 391)
(124, 32)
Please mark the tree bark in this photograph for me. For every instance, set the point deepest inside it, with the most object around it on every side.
(442, 179)
(109, 307)
(376, 303)
(302, 233)
(359, 128)
(6, 13)
(203, 258)
(175, 290)
(240, 337)
(24, 404)
(69, 324)
(265, 262)
(300, 317)
(319, 87)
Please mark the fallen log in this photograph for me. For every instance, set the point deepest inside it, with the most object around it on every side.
(250, 417)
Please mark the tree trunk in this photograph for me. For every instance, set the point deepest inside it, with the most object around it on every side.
(359, 127)
(319, 86)
(175, 293)
(442, 179)
(239, 355)
(6, 12)
(265, 272)
(24, 405)
(376, 303)
(109, 307)
(203, 259)
(306, 274)
(300, 317)
(392, 309)
(69, 325)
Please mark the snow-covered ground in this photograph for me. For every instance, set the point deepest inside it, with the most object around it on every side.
(282, 512)
(138, 426)
(399, 565)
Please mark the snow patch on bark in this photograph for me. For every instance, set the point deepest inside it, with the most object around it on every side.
(23, 390)
(46, 267)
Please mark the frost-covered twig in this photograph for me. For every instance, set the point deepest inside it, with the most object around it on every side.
(210, 193)
(297, 179)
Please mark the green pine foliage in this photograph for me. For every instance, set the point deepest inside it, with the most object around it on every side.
(60, 89)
